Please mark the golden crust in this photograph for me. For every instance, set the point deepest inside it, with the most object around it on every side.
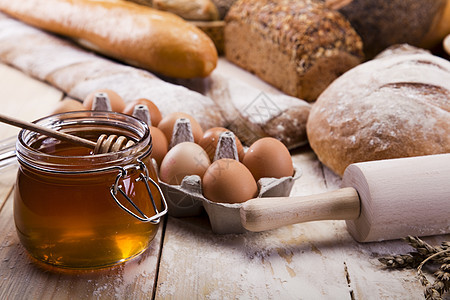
(158, 41)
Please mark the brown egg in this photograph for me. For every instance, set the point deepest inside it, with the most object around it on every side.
(117, 103)
(66, 105)
(268, 157)
(211, 138)
(167, 123)
(228, 181)
(155, 114)
(160, 146)
(182, 160)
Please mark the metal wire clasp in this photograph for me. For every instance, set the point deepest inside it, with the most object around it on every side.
(145, 178)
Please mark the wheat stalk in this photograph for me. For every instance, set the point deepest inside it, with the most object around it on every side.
(426, 250)
(425, 253)
(435, 290)
(411, 260)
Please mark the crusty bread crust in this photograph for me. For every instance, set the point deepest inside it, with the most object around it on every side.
(397, 105)
(142, 36)
(299, 47)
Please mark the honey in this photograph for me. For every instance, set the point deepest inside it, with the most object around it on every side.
(64, 207)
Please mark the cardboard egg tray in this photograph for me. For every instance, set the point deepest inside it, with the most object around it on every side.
(187, 200)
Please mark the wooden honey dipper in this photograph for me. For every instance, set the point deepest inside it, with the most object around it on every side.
(104, 144)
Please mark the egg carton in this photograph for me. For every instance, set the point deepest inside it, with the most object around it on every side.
(187, 200)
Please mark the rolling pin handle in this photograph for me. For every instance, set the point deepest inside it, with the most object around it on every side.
(262, 214)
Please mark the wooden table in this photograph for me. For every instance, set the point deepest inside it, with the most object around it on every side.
(318, 260)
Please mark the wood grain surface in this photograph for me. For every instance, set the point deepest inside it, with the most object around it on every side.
(317, 260)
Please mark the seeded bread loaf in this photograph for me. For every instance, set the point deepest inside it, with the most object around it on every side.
(397, 105)
(300, 47)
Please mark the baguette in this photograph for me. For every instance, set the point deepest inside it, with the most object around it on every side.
(141, 36)
(78, 73)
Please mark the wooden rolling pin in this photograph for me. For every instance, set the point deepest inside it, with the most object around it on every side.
(381, 200)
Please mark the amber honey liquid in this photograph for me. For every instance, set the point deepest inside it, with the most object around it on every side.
(72, 221)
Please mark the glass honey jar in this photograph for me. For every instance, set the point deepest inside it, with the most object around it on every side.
(77, 210)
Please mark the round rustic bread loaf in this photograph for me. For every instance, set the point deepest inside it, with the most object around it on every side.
(397, 105)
